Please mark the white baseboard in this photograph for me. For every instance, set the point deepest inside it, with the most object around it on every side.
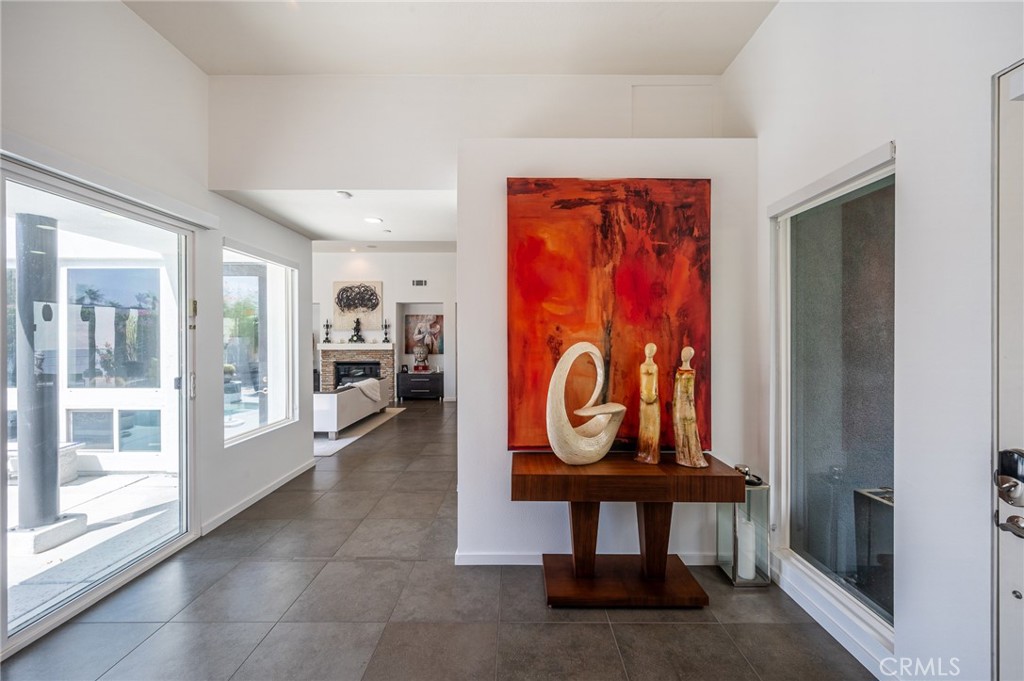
(858, 630)
(497, 558)
(219, 519)
(466, 558)
(449, 399)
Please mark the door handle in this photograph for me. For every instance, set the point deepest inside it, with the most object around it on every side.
(1009, 476)
(1014, 525)
(1010, 490)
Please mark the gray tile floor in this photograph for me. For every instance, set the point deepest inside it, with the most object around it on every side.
(346, 573)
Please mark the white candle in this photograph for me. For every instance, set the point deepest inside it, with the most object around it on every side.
(745, 540)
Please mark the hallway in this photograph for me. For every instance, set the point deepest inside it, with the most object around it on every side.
(346, 573)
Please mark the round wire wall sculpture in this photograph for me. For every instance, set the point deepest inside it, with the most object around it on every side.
(357, 298)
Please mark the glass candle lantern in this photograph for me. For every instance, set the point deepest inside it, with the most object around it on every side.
(743, 539)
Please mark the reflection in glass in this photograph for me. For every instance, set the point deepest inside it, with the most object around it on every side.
(113, 327)
(92, 429)
(93, 354)
(139, 430)
(842, 315)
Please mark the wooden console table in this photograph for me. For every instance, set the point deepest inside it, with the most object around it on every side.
(653, 579)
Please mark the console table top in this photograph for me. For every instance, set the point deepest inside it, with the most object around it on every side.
(541, 476)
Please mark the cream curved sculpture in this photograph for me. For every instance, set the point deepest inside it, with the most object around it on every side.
(591, 441)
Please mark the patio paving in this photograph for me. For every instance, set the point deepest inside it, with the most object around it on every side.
(127, 515)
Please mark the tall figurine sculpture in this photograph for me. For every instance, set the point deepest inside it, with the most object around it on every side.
(650, 410)
(684, 416)
(592, 440)
(357, 332)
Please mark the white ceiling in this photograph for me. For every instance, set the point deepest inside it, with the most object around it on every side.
(229, 37)
(411, 216)
(311, 37)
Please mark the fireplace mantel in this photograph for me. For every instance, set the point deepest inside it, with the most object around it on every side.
(356, 346)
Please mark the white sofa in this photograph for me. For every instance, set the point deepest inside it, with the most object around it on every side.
(339, 409)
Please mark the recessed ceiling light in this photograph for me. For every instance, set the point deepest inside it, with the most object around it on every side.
(352, 249)
(344, 194)
(374, 220)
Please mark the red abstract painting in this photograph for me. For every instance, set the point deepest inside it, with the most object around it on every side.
(618, 263)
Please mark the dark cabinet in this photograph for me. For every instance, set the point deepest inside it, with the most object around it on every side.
(428, 386)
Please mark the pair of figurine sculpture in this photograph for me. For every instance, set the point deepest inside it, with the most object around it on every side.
(589, 442)
(684, 413)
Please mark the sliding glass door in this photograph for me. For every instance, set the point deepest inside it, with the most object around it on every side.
(94, 362)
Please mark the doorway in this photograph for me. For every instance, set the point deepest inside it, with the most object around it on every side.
(96, 421)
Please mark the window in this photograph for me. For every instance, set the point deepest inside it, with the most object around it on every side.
(259, 345)
(139, 430)
(91, 429)
(841, 306)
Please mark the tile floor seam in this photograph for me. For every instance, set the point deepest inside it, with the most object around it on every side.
(203, 591)
(252, 552)
(615, 640)
(275, 623)
(121, 659)
(258, 643)
(744, 655)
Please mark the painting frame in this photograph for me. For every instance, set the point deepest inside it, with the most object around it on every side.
(427, 329)
(618, 263)
(363, 300)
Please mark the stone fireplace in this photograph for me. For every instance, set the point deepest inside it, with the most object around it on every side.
(328, 358)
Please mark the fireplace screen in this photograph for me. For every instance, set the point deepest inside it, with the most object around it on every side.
(351, 372)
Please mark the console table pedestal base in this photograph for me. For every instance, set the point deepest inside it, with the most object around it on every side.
(618, 582)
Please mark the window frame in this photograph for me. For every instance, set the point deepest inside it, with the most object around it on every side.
(788, 566)
(290, 345)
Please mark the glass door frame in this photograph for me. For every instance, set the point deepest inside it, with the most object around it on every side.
(1000, 658)
(29, 174)
(787, 565)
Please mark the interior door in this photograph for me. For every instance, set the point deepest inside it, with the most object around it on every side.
(1009, 464)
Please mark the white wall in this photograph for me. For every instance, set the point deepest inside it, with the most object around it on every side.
(403, 132)
(820, 84)
(93, 91)
(493, 529)
(396, 272)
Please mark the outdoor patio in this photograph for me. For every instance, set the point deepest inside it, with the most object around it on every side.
(126, 514)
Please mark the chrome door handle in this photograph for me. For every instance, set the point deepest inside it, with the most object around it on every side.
(1010, 490)
(1009, 476)
(1006, 484)
(1014, 525)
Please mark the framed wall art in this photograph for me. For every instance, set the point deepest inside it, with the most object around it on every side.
(358, 299)
(426, 330)
(619, 263)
